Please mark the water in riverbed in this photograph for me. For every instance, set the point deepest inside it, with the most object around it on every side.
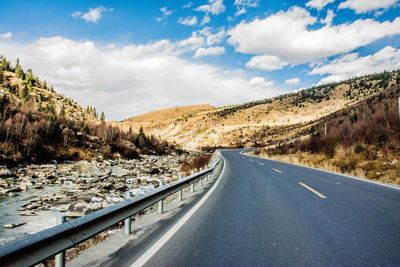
(9, 213)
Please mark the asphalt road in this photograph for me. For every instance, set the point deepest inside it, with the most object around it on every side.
(266, 213)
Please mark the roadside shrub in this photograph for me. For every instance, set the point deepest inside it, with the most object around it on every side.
(195, 163)
(359, 148)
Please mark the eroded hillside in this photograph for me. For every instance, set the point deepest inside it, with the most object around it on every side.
(261, 122)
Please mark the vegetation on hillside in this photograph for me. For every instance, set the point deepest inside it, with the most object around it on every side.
(39, 125)
(363, 140)
(195, 163)
(358, 87)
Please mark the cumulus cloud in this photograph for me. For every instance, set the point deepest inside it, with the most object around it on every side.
(266, 62)
(242, 5)
(201, 38)
(260, 81)
(131, 79)
(363, 6)
(193, 42)
(188, 21)
(330, 15)
(292, 81)
(165, 13)
(209, 51)
(206, 19)
(6, 36)
(318, 4)
(286, 37)
(188, 5)
(213, 38)
(92, 15)
(214, 7)
(351, 65)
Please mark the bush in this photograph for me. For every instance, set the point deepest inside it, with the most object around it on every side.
(195, 163)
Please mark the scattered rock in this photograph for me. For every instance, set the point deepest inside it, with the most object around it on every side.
(28, 213)
(81, 208)
(14, 225)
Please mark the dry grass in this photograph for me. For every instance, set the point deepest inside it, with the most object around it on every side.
(195, 163)
(383, 169)
(194, 127)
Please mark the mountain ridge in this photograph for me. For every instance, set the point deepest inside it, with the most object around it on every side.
(251, 123)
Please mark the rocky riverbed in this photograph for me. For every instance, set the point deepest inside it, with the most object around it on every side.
(32, 196)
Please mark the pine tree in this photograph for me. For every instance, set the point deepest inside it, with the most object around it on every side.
(24, 93)
(102, 117)
(62, 111)
(19, 71)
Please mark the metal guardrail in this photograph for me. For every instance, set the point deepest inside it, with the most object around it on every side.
(36, 248)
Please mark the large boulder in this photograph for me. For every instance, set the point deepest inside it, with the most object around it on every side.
(83, 208)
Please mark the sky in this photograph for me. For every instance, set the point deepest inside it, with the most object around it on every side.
(130, 57)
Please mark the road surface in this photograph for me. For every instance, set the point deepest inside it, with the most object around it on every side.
(266, 213)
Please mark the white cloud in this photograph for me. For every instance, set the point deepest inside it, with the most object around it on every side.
(188, 5)
(206, 19)
(318, 4)
(193, 42)
(240, 11)
(266, 62)
(351, 65)
(330, 15)
(6, 36)
(92, 15)
(214, 7)
(242, 5)
(165, 13)
(188, 21)
(131, 79)
(292, 81)
(286, 37)
(209, 51)
(260, 81)
(364, 6)
(200, 38)
(213, 38)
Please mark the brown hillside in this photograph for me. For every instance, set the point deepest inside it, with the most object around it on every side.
(261, 122)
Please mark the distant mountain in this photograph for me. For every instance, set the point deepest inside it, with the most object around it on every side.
(39, 125)
(259, 123)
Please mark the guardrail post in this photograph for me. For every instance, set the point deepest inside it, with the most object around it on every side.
(180, 194)
(192, 185)
(201, 180)
(161, 202)
(60, 257)
(127, 221)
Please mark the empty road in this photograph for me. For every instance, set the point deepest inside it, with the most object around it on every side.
(266, 213)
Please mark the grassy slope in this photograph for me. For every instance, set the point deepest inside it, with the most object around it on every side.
(261, 122)
(363, 140)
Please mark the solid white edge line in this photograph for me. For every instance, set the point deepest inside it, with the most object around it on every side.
(277, 170)
(335, 173)
(312, 190)
(161, 242)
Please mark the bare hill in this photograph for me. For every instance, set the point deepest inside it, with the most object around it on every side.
(259, 123)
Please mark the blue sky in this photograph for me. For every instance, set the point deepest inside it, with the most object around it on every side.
(129, 57)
